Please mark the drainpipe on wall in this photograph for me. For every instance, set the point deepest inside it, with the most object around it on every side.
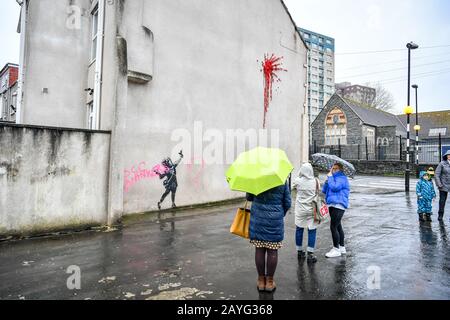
(22, 66)
(306, 114)
(99, 64)
(115, 203)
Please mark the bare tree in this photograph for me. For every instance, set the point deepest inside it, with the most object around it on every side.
(384, 99)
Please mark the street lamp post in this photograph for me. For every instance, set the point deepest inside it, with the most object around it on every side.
(408, 112)
(417, 126)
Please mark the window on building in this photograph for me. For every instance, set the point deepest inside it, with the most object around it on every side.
(370, 135)
(306, 35)
(13, 104)
(90, 116)
(336, 128)
(1, 107)
(94, 33)
(329, 42)
(436, 131)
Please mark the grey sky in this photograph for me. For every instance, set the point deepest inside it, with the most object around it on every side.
(369, 25)
(376, 25)
(9, 18)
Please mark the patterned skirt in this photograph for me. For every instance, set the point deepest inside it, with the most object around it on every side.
(267, 244)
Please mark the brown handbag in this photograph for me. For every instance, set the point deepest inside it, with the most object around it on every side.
(241, 223)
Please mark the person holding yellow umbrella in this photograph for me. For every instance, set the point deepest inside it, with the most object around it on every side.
(262, 173)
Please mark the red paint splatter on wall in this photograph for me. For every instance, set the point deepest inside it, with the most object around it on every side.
(270, 66)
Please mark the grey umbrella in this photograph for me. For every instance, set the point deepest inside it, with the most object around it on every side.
(326, 162)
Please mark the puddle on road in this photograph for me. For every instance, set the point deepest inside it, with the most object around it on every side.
(168, 286)
(181, 294)
(107, 280)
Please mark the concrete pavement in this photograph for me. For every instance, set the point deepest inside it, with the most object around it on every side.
(391, 256)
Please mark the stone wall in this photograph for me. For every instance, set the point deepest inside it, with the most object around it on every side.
(388, 143)
(380, 168)
(354, 124)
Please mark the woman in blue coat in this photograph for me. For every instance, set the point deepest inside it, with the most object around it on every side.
(337, 191)
(267, 231)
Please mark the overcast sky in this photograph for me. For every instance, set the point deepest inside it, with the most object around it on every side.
(10, 40)
(379, 25)
(357, 26)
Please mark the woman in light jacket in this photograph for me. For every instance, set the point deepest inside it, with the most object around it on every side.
(307, 187)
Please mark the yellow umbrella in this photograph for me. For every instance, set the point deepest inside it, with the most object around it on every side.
(259, 170)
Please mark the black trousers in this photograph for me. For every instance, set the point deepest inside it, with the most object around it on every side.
(336, 227)
(442, 200)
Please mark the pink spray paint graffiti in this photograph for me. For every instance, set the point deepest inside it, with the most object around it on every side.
(195, 173)
(139, 172)
(270, 66)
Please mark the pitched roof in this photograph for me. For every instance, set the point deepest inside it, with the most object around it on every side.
(295, 25)
(429, 121)
(374, 117)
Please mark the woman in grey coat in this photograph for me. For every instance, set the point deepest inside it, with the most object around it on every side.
(443, 183)
(307, 187)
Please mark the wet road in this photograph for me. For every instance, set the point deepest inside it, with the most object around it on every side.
(196, 258)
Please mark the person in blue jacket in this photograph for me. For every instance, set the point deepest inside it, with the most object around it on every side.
(337, 191)
(267, 231)
(425, 196)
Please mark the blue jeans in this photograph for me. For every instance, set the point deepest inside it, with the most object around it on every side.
(312, 234)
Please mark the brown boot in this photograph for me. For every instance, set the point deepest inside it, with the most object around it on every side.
(270, 284)
(261, 284)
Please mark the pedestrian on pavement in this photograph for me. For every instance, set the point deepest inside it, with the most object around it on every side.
(337, 191)
(425, 196)
(443, 183)
(431, 172)
(307, 187)
(267, 231)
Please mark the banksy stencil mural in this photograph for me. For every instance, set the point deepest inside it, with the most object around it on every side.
(167, 171)
(271, 65)
(170, 175)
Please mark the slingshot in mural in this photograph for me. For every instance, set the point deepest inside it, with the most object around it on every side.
(170, 182)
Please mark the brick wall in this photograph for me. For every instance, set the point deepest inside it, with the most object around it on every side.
(13, 76)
